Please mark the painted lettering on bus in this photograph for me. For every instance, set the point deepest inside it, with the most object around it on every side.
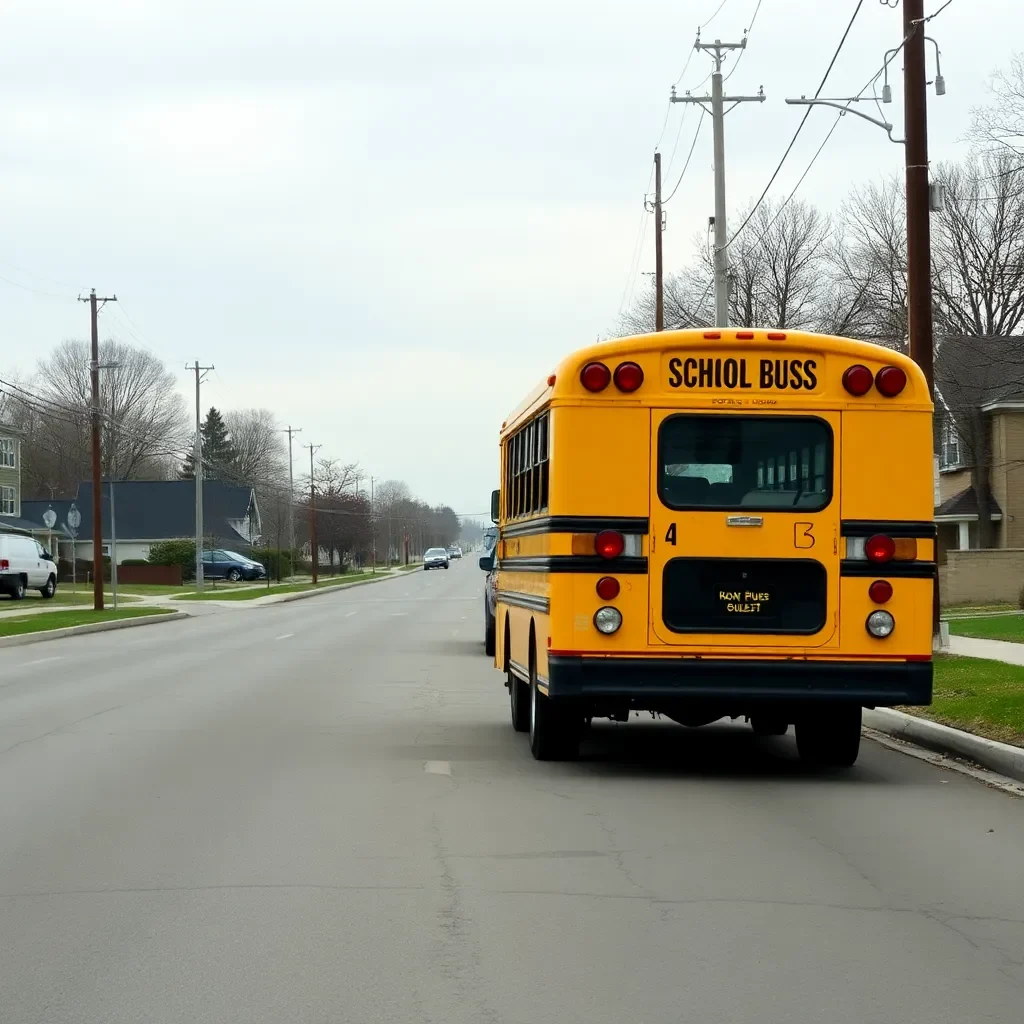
(727, 373)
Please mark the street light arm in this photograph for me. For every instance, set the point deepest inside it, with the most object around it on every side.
(845, 107)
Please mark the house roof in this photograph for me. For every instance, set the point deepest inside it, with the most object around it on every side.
(964, 506)
(154, 509)
(979, 371)
(10, 523)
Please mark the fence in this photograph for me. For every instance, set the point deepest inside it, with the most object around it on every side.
(982, 577)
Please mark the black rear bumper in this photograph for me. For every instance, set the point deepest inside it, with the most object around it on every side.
(647, 681)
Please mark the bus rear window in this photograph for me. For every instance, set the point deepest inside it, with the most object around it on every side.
(755, 463)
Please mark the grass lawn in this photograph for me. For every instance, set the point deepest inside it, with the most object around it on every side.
(979, 696)
(254, 593)
(990, 627)
(13, 625)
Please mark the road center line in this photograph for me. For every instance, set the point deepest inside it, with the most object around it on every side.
(438, 767)
(348, 615)
(284, 636)
(42, 661)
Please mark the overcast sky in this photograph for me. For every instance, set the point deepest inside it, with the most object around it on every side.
(387, 221)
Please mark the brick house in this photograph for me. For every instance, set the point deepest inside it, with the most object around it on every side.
(979, 423)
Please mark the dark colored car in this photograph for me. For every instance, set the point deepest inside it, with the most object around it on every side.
(489, 563)
(230, 565)
(435, 558)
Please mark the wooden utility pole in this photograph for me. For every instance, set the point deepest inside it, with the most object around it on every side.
(197, 458)
(659, 273)
(314, 552)
(95, 304)
(919, 281)
(919, 238)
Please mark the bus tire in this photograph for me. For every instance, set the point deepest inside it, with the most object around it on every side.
(830, 737)
(768, 725)
(555, 729)
(519, 702)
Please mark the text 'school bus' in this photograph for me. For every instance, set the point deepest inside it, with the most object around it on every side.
(718, 523)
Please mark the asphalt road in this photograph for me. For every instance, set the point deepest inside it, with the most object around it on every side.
(318, 812)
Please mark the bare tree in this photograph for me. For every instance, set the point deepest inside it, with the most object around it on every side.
(1000, 124)
(144, 422)
(978, 247)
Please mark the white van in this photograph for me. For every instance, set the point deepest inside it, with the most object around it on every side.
(25, 565)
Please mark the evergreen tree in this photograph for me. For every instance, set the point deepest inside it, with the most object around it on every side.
(219, 454)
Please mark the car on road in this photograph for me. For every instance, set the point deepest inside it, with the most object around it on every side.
(435, 558)
(489, 564)
(220, 564)
(25, 565)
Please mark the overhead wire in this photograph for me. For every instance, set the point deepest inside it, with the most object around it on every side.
(746, 35)
(800, 126)
(689, 156)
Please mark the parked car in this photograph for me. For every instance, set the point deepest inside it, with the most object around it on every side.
(435, 558)
(25, 565)
(230, 565)
(489, 563)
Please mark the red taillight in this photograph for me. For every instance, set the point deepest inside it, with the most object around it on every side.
(595, 376)
(609, 543)
(744, 335)
(858, 380)
(776, 336)
(4, 565)
(891, 380)
(607, 588)
(551, 381)
(628, 376)
(879, 548)
(712, 335)
(880, 591)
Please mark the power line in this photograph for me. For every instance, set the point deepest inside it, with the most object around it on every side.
(800, 126)
(715, 15)
(746, 34)
(688, 157)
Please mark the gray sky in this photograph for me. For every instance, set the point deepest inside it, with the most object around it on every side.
(387, 221)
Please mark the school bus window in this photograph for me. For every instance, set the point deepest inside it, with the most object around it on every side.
(727, 462)
(526, 477)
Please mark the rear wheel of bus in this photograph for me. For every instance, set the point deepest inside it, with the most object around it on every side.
(830, 736)
(555, 729)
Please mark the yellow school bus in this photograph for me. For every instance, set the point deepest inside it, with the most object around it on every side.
(717, 523)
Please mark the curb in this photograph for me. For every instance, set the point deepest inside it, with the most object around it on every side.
(1003, 758)
(92, 627)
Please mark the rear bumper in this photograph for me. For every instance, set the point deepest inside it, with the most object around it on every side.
(645, 680)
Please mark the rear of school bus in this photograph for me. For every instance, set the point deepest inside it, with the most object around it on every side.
(738, 523)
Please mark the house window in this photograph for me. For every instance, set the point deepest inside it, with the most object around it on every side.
(8, 458)
(8, 506)
(950, 454)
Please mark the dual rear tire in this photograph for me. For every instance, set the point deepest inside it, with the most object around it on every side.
(555, 729)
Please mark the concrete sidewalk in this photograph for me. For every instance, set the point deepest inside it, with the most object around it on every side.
(994, 650)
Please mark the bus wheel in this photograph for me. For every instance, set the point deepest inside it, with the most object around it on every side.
(830, 736)
(767, 725)
(555, 729)
(519, 699)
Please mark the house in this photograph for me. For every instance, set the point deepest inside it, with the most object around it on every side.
(149, 511)
(979, 440)
(11, 505)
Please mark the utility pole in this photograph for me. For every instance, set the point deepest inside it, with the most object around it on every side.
(717, 100)
(291, 486)
(373, 532)
(659, 270)
(313, 548)
(95, 305)
(919, 281)
(198, 458)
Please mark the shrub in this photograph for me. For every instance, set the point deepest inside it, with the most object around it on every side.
(277, 561)
(175, 552)
(134, 561)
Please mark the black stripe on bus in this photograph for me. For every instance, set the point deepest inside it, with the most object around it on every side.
(888, 570)
(577, 524)
(532, 602)
(621, 566)
(888, 527)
